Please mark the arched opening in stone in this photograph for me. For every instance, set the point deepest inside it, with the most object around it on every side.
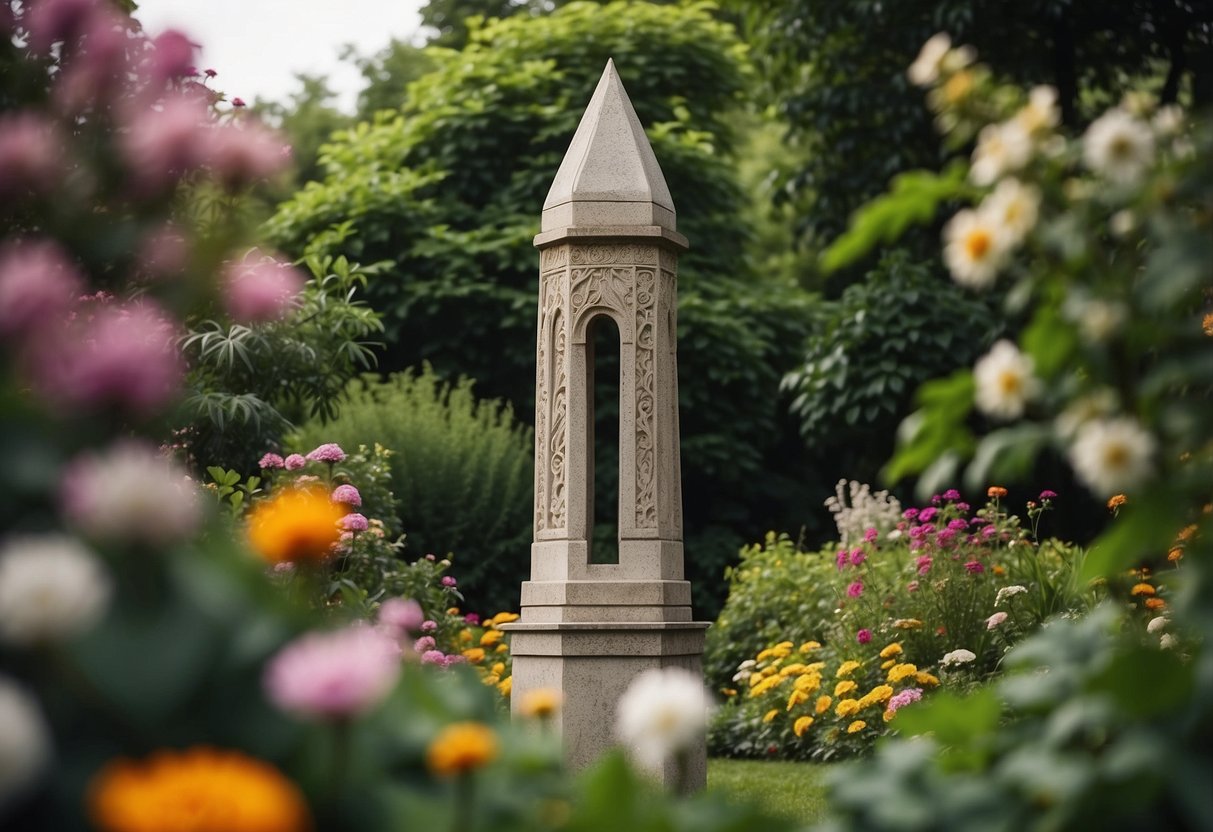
(603, 385)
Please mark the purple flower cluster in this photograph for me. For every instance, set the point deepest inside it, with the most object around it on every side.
(905, 697)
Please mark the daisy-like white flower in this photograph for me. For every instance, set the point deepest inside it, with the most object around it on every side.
(1102, 402)
(925, 69)
(975, 248)
(1113, 455)
(960, 656)
(1014, 206)
(51, 587)
(1008, 592)
(1005, 381)
(663, 712)
(1118, 146)
(1001, 149)
(1041, 113)
(25, 744)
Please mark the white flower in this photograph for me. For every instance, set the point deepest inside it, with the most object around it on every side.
(1122, 223)
(662, 712)
(1008, 592)
(1118, 146)
(995, 619)
(1156, 624)
(24, 740)
(1168, 642)
(742, 675)
(974, 250)
(1041, 112)
(50, 587)
(1112, 455)
(1015, 207)
(1169, 119)
(1004, 381)
(1100, 319)
(960, 656)
(130, 493)
(925, 69)
(1100, 403)
(747, 664)
(1001, 149)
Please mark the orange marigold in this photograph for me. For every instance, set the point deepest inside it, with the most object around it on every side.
(996, 492)
(1206, 324)
(297, 524)
(1187, 533)
(1155, 604)
(1116, 501)
(460, 748)
(200, 790)
(1175, 554)
(1142, 589)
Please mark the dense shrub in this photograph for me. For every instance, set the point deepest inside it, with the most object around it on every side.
(461, 472)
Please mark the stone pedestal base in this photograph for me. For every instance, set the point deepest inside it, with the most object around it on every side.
(592, 664)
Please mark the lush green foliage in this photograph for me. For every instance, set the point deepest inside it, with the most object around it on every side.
(461, 472)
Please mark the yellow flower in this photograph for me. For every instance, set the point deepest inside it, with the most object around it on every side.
(885, 665)
(491, 680)
(200, 789)
(452, 610)
(792, 670)
(540, 702)
(808, 683)
(797, 697)
(784, 645)
(908, 624)
(844, 687)
(1206, 324)
(460, 748)
(846, 708)
(1142, 589)
(1116, 501)
(876, 696)
(475, 655)
(498, 668)
(770, 715)
(763, 655)
(809, 646)
(823, 704)
(728, 691)
(847, 668)
(902, 671)
(502, 648)
(998, 571)
(856, 726)
(764, 685)
(491, 637)
(296, 524)
(801, 725)
(926, 679)
(888, 716)
(503, 618)
(506, 686)
(892, 650)
(815, 667)
(957, 88)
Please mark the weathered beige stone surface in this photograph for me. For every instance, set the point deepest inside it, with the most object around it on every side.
(608, 248)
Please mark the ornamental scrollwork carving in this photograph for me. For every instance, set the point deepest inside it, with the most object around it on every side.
(646, 503)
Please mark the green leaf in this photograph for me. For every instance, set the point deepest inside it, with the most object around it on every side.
(1145, 682)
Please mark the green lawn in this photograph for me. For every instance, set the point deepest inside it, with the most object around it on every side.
(792, 790)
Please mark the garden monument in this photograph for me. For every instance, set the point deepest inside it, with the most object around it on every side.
(608, 249)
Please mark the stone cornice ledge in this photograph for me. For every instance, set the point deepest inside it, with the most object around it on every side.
(612, 232)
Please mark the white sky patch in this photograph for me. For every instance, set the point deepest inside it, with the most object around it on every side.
(257, 46)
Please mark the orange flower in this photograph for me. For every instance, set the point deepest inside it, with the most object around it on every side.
(460, 748)
(1207, 324)
(1116, 501)
(996, 492)
(1186, 533)
(297, 524)
(1142, 589)
(200, 789)
(1175, 555)
(1155, 604)
(998, 571)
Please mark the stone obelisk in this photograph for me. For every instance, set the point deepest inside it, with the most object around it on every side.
(607, 248)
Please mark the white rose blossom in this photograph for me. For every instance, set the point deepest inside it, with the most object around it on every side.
(1004, 381)
(25, 746)
(1113, 455)
(663, 712)
(1118, 147)
(51, 587)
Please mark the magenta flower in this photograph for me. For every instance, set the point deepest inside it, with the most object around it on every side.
(355, 522)
(172, 56)
(841, 559)
(472, 618)
(401, 614)
(424, 644)
(995, 619)
(905, 697)
(910, 513)
(209, 73)
(31, 155)
(261, 291)
(347, 495)
(863, 636)
(37, 285)
(957, 525)
(271, 461)
(50, 21)
(294, 462)
(988, 531)
(951, 494)
(945, 536)
(448, 581)
(1048, 495)
(858, 556)
(429, 626)
(964, 507)
(974, 567)
(923, 563)
(855, 589)
(333, 675)
(927, 515)
(329, 452)
(162, 144)
(434, 657)
(870, 535)
(238, 102)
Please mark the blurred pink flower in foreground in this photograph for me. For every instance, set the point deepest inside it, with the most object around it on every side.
(239, 155)
(165, 142)
(37, 287)
(260, 291)
(172, 55)
(333, 674)
(51, 21)
(31, 155)
(401, 615)
(96, 68)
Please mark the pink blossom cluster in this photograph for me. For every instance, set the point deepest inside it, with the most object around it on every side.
(260, 290)
(334, 675)
(903, 698)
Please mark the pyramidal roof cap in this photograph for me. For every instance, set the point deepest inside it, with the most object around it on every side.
(609, 176)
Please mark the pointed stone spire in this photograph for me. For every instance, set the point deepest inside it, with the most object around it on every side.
(609, 176)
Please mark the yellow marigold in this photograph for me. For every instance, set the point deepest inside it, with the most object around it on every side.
(844, 687)
(498, 668)
(908, 624)
(452, 610)
(893, 649)
(876, 696)
(885, 665)
(815, 667)
(797, 697)
(540, 703)
(491, 680)
(808, 683)
(465, 636)
(926, 679)
(1155, 604)
(475, 655)
(764, 685)
(792, 670)
(296, 524)
(856, 726)
(460, 748)
(1142, 589)
(846, 708)
(1206, 324)
(502, 648)
(1116, 501)
(887, 716)
(809, 646)
(506, 686)
(770, 715)
(900, 672)
(728, 692)
(784, 645)
(763, 655)
(847, 668)
(491, 637)
(503, 618)
(823, 704)
(801, 725)
(199, 789)
(996, 492)
(1186, 533)
(1175, 555)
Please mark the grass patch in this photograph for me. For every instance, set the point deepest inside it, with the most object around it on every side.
(792, 790)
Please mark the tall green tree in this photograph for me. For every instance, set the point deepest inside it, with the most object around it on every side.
(308, 118)
(388, 74)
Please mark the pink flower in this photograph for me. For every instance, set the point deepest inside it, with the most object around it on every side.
(448, 581)
(97, 68)
(401, 614)
(995, 619)
(905, 697)
(271, 461)
(354, 522)
(974, 567)
(912, 586)
(241, 155)
(434, 657)
(863, 636)
(870, 535)
(923, 563)
(334, 674)
(329, 452)
(988, 531)
(424, 644)
(858, 556)
(957, 525)
(163, 253)
(209, 73)
(347, 495)
(963, 507)
(927, 514)
(294, 462)
(238, 102)
(37, 285)
(172, 56)
(453, 658)
(165, 142)
(855, 589)
(429, 626)
(910, 513)
(31, 155)
(472, 618)
(260, 291)
(951, 494)
(1048, 495)
(51, 21)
